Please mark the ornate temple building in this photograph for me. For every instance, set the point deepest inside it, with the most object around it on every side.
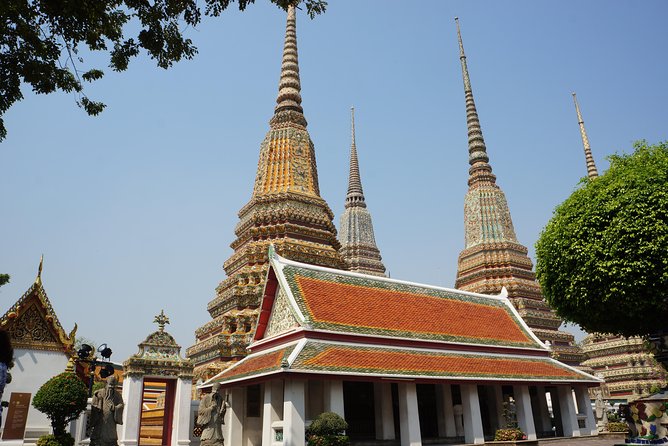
(493, 258)
(358, 244)
(42, 348)
(285, 210)
(628, 368)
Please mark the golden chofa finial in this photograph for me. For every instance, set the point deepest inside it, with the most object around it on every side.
(38, 279)
(161, 320)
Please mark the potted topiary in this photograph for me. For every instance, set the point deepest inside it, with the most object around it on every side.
(328, 429)
(511, 432)
(62, 399)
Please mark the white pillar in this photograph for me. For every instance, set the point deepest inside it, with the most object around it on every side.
(524, 412)
(293, 413)
(382, 394)
(334, 397)
(473, 432)
(584, 408)
(498, 402)
(545, 419)
(409, 419)
(569, 418)
(132, 397)
(271, 411)
(445, 412)
(181, 412)
(235, 416)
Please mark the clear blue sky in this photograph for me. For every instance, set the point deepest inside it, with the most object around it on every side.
(134, 210)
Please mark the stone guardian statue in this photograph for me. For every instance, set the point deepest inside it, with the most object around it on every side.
(106, 413)
(211, 416)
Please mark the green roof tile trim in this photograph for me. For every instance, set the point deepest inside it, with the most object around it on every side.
(386, 361)
(366, 305)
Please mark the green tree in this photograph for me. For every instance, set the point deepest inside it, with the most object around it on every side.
(602, 260)
(4, 279)
(40, 40)
(62, 399)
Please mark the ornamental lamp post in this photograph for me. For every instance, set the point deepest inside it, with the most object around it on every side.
(87, 355)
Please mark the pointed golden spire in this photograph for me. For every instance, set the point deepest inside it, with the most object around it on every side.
(592, 172)
(38, 279)
(355, 195)
(289, 99)
(480, 169)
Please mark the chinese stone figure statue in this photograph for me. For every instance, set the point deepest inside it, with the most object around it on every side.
(106, 413)
(211, 416)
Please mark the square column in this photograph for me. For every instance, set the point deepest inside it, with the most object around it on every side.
(294, 413)
(235, 416)
(584, 408)
(409, 419)
(445, 411)
(132, 397)
(569, 418)
(382, 394)
(524, 412)
(181, 418)
(271, 410)
(334, 397)
(545, 420)
(473, 432)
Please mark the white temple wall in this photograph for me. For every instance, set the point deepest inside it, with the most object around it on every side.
(32, 368)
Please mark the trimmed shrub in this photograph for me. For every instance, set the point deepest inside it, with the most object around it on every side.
(62, 399)
(327, 430)
(52, 440)
(509, 434)
(617, 426)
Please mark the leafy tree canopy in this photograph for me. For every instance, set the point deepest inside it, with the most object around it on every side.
(40, 40)
(4, 279)
(602, 260)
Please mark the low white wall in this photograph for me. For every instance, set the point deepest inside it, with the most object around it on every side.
(32, 368)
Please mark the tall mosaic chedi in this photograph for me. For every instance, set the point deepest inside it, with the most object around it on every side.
(493, 258)
(285, 210)
(628, 368)
(358, 244)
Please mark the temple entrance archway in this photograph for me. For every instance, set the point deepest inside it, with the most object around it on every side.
(157, 406)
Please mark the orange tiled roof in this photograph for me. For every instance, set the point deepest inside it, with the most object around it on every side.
(377, 306)
(255, 364)
(367, 360)
(388, 361)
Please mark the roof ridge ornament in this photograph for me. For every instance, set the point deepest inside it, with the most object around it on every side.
(161, 320)
(592, 172)
(38, 279)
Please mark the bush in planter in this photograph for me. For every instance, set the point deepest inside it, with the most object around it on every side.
(617, 426)
(327, 430)
(62, 399)
(509, 434)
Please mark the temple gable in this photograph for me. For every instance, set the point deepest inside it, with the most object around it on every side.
(282, 319)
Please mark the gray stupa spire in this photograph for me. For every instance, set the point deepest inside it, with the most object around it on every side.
(358, 244)
(592, 172)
